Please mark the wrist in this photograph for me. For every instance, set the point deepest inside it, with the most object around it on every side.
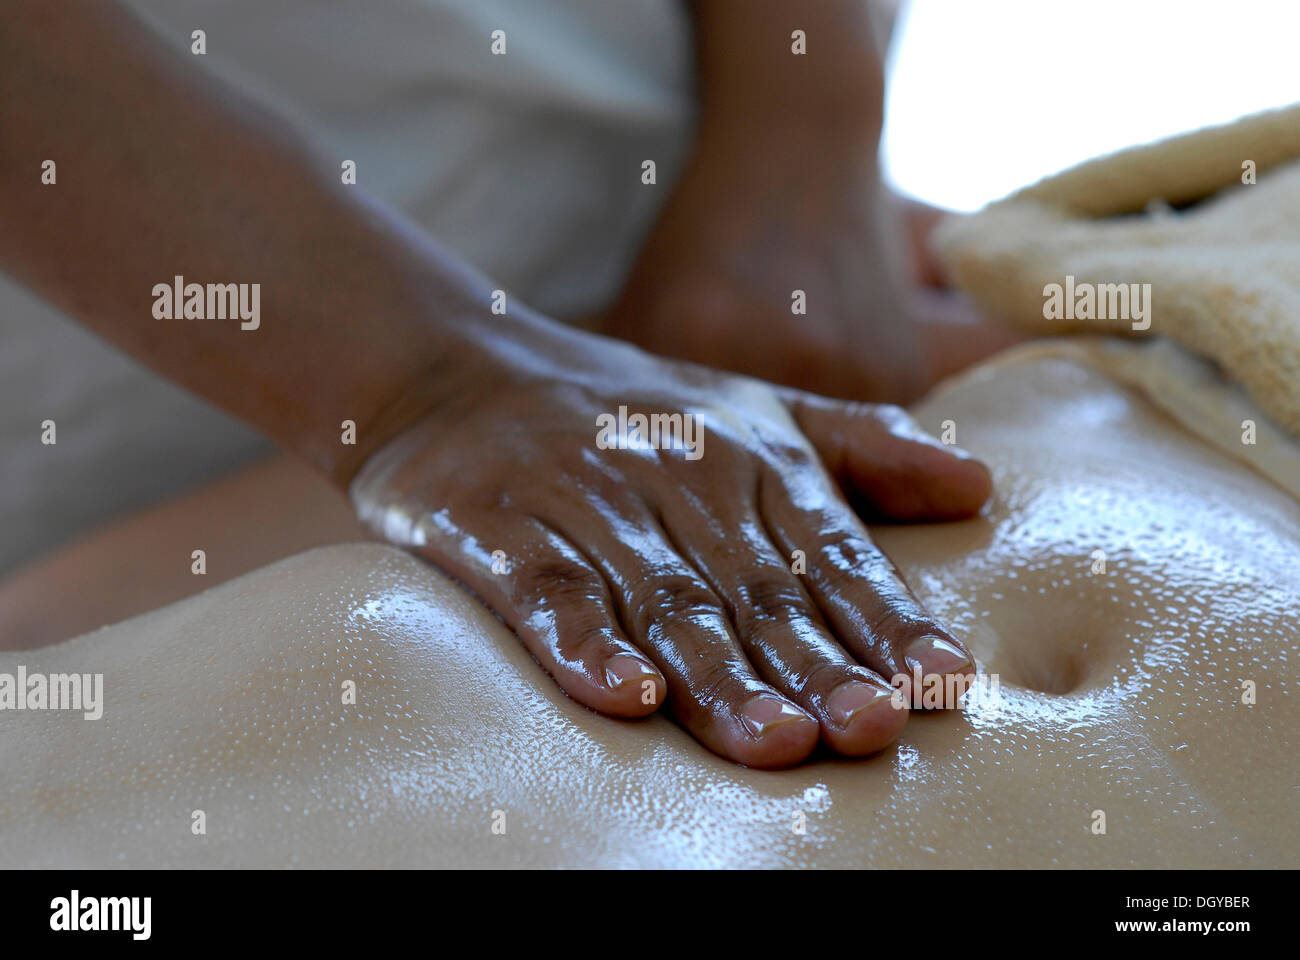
(846, 101)
(468, 352)
(748, 71)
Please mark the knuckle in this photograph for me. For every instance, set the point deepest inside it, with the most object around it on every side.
(889, 411)
(671, 595)
(895, 620)
(818, 674)
(556, 578)
(897, 421)
(712, 683)
(774, 599)
(588, 640)
(790, 452)
(848, 554)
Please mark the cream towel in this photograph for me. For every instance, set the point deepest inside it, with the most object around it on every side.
(1224, 274)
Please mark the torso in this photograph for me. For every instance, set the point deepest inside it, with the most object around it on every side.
(1120, 691)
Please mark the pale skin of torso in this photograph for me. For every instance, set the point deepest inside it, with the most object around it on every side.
(1120, 691)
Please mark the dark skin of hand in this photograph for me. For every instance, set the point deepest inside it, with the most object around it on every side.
(636, 567)
(782, 192)
(625, 567)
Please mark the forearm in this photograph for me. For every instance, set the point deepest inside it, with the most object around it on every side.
(161, 172)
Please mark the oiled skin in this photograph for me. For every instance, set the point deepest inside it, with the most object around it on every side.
(1120, 692)
(622, 570)
(732, 585)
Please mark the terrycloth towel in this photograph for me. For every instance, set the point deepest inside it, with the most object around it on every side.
(1223, 268)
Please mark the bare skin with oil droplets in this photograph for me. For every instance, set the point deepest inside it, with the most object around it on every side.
(1121, 692)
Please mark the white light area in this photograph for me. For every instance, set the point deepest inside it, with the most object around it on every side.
(987, 96)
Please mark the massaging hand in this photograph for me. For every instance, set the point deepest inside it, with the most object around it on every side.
(613, 565)
(635, 575)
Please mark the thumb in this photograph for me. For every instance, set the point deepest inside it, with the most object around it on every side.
(881, 454)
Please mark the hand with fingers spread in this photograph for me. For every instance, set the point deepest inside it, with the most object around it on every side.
(639, 573)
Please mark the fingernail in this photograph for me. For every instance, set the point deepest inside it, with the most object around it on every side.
(624, 669)
(934, 655)
(849, 699)
(764, 713)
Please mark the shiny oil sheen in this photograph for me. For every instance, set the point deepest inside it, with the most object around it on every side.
(1120, 691)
